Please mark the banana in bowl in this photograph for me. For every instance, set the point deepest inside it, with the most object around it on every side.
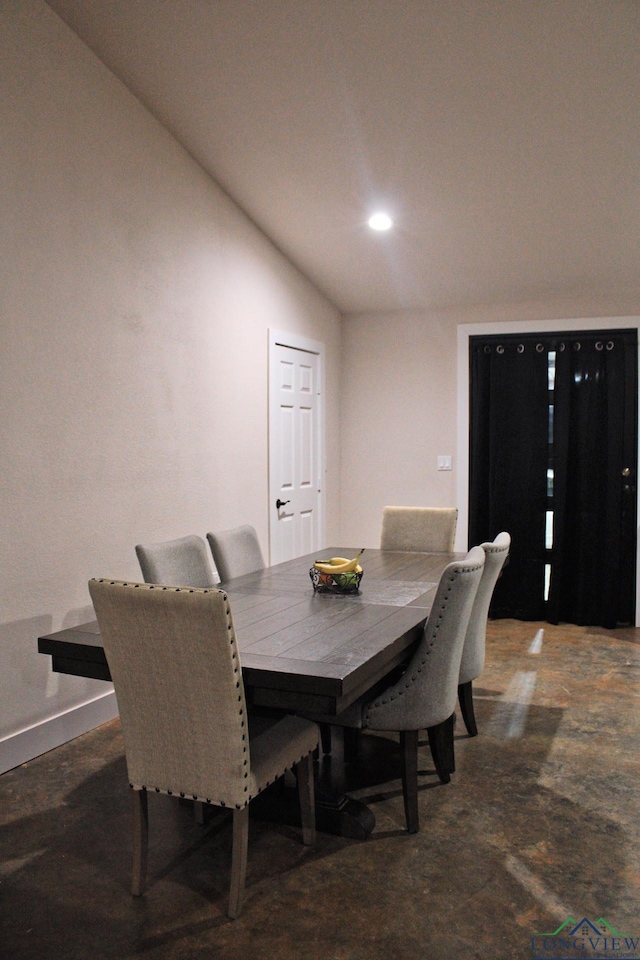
(337, 575)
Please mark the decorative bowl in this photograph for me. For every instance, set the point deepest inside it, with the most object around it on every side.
(342, 583)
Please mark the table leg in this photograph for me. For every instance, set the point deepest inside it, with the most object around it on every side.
(336, 813)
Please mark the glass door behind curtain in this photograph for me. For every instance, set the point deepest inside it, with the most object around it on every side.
(553, 440)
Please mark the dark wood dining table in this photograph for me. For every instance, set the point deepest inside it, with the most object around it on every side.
(303, 651)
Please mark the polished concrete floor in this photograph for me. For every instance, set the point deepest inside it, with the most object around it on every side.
(540, 822)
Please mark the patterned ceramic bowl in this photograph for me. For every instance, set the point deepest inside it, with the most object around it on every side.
(335, 582)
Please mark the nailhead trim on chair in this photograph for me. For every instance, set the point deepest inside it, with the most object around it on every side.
(413, 678)
(220, 803)
(171, 792)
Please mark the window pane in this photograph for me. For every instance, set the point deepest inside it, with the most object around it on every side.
(548, 535)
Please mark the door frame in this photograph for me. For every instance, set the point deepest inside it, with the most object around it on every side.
(280, 338)
(467, 330)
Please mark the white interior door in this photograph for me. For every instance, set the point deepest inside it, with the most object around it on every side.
(295, 446)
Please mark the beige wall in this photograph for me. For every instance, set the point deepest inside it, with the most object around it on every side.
(399, 413)
(401, 402)
(134, 310)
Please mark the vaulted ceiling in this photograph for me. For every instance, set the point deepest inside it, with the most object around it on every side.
(503, 136)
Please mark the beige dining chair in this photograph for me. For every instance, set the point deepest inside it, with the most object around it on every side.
(473, 652)
(176, 669)
(424, 696)
(419, 529)
(236, 552)
(183, 563)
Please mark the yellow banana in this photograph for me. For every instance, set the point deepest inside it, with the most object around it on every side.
(342, 566)
(334, 567)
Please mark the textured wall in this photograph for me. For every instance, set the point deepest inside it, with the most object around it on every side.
(399, 413)
(134, 310)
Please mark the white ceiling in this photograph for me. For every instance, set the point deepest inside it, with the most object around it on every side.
(502, 135)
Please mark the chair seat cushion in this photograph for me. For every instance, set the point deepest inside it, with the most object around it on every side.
(275, 745)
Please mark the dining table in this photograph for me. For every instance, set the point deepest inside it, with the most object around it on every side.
(303, 651)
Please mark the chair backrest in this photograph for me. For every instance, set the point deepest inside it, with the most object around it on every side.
(472, 663)
(175, 666)
(236, 552)
(426, 693)
(180, 563)
(419, 529)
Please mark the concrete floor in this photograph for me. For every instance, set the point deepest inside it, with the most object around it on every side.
(539, 823)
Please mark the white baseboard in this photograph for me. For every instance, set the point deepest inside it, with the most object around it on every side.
(31, 742)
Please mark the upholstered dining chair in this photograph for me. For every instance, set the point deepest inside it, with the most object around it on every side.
(182, 563)
(424, 696)
(236, 552)
(419, 529)
(472, 663)
(176, 669)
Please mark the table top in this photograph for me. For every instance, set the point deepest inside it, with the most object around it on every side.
(302, 650)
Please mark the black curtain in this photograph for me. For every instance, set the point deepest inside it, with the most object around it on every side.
(593, 559)
(508, 455)
(581, 426)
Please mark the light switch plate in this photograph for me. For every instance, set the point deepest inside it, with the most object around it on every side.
(444, 463)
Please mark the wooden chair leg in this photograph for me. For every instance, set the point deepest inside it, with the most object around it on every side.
(450, 743)
(409, 750)
(307, 799)
(325, 737)
(465, 697)
(140, 811)
(440, 750)
(238, 861)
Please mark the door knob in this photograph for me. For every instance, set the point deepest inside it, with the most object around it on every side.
(281, 503)
(626, 472)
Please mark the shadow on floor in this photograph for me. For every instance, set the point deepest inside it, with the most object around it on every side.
(538, 823)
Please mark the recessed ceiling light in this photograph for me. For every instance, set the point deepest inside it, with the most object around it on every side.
(380, 221)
